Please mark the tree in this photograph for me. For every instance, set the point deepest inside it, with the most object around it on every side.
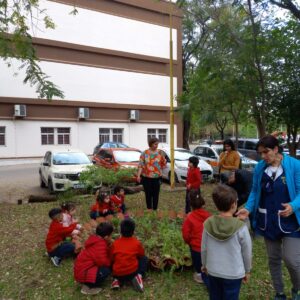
(284, 78)
(16, 42)
(292, 7)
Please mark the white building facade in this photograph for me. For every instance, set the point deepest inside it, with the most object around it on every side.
(111, 60)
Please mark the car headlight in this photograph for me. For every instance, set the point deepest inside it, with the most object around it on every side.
(59, 176)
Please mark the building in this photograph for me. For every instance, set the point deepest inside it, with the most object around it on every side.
(111, 60)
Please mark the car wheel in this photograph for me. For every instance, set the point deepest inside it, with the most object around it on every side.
(42, 183)
(50, 186)
(176, 177)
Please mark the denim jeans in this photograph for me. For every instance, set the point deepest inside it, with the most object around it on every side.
(63, 250)
(224, 289)
(197, 264)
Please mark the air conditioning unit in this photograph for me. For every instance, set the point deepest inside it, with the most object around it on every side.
(83, 113)
(20, 110)
(134, 115)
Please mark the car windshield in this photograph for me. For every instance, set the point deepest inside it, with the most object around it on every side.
(219, 150)
(127, 156)
(113, 145)
(70, 158)
(182, 155)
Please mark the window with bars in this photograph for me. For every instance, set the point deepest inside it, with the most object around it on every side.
(2, 136)
(159, 133)
(110, 135)
(55, 136)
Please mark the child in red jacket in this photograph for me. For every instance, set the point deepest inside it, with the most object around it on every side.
(192, 229)
(193, 181)
(102, 207)
(118, 199)
(92, 265)
(57, 247)
(128, 257)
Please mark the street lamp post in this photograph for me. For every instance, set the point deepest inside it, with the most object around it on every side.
(172, 177)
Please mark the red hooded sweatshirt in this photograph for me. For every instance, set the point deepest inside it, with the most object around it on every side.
(117, 201)
(194, 178)
(125, 253)
(93, 256)
(57, 233)
(192, 228)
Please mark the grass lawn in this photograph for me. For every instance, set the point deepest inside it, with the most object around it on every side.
(26, 273)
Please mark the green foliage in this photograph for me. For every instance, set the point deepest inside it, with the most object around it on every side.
(96, 176)
(16, 43)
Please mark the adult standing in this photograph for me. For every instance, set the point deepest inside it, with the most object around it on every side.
(274, 204)
(150, 171)
(241, 181)
(229, 159)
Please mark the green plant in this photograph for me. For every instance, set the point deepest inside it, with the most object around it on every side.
(96, 176)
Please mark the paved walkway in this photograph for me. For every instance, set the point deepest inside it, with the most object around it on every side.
(19, 161)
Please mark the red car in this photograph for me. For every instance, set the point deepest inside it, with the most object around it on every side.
(115, 158)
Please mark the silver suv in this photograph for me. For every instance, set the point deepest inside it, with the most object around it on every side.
(248, 148)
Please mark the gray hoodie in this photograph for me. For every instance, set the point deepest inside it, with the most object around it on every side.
(226, 249)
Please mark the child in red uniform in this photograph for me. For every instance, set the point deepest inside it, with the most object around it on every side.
(192, 229)
(128, 258)
(118, 199)
(57, 247)
(92, 265)
(68, 212)
(102, 207)
(193, 181)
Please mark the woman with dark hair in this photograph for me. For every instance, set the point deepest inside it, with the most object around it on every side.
(150, 171)
(274, 204)
(229, 159)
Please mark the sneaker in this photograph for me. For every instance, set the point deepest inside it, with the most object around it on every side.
(295, 294)
(197, 277)
(280, 296)
(137, 283)
(85, 290)
(56, 260)
(115, 284)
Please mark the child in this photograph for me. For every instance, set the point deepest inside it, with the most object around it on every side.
(68, 212)
(57, 247)
(192, 229)
(118, 199)
(128, 257)
(226, 247)
(193, 181)
(102, 207)
(92, 265)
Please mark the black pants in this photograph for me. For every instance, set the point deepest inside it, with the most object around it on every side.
(102, 274)
(151, 188)
(142, 269)
(188, 200)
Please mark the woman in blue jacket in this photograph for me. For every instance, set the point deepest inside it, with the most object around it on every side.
(274, 205)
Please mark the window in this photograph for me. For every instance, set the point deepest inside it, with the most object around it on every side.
(250, 145)
(63, 136)
(161, 134)
(47, 136)
(110, 135)
(55, 136)
(2, 136)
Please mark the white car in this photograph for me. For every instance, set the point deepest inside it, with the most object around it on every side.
(211, 154)
(61, 168)
(181, 161)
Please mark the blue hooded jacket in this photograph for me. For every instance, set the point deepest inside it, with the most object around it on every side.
(291, 167)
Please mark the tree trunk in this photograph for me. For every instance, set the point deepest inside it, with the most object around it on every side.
(186, 132)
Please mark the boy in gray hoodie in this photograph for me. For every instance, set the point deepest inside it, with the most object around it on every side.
(226, 247)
